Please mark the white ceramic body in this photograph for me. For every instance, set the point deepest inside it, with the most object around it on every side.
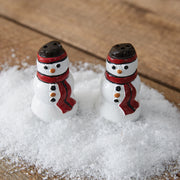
(109, 109)
(41, 105)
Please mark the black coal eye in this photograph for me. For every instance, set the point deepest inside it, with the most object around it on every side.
(113, 67)
(125, 67)
(45, 67)
(58, 65)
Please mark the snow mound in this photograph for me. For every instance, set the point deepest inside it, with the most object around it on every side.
(87, 145)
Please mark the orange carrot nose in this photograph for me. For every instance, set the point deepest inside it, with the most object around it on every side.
(52, 70)
(119, 71)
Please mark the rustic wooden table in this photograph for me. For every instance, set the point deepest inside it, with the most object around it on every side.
(87, 30)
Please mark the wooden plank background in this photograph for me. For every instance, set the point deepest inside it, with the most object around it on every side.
(88, 29)
(94, 26)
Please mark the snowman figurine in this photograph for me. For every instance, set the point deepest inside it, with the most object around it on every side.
(53, 84)
(120, 85)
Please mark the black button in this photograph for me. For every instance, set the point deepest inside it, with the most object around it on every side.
(118, 88)
(116, 100)
(53, 100)
(53, 88)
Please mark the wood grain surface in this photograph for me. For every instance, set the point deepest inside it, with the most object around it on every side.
(88, 29)
(94, 26)
(26, 43)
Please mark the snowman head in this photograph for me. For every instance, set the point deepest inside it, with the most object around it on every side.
(122, 60)
(52, 59)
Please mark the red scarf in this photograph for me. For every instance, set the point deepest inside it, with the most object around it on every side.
(129, 104)
(65, 102)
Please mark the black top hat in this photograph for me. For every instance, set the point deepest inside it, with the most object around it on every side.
(51, 49)
(122, 51)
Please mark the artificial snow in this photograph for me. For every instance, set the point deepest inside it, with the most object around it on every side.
(87, 145)
(13, 55)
